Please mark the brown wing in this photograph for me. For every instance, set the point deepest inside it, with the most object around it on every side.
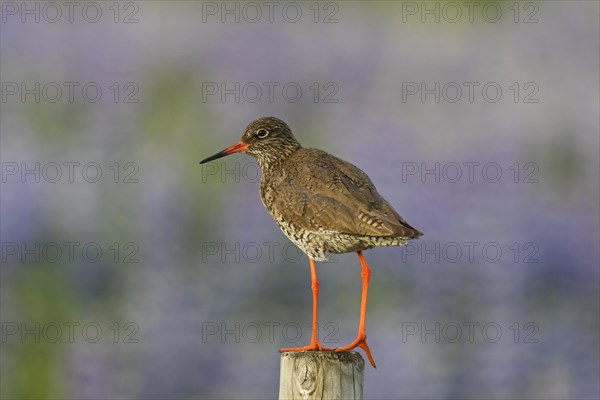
(323, 193)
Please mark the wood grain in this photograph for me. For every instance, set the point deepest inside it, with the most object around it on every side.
(321, 375)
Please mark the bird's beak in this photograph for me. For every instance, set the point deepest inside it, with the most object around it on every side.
(236, 148)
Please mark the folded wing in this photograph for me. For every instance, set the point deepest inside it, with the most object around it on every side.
(332, 195)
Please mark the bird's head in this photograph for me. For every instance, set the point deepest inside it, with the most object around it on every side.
(267, 139)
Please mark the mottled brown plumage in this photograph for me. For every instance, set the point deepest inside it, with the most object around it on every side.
(322, 203)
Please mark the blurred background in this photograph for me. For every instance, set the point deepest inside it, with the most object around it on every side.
(130, 271)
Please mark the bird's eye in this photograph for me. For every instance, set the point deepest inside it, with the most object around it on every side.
(262, 133)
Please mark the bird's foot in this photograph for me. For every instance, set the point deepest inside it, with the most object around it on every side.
(313, 346)
(361, 341)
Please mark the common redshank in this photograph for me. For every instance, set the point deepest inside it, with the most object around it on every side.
(323, 205)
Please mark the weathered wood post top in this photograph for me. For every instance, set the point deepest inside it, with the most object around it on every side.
(321, 375)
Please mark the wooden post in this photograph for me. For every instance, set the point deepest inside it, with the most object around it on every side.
(321, 375)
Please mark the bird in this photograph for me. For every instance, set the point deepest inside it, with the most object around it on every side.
(324, 205)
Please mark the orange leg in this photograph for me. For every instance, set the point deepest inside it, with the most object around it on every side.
(361, 339)
(314, 341)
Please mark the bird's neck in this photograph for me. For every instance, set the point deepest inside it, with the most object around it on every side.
(271, 161)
